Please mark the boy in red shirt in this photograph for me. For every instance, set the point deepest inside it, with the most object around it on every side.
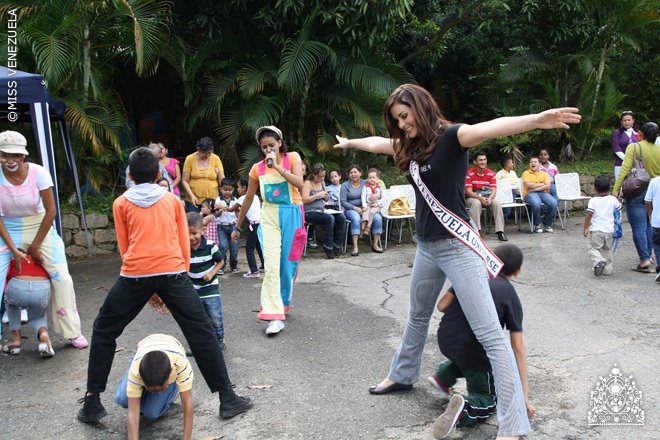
(148, 217)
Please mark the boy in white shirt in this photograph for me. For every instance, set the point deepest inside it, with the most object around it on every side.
(599, 226)
(225, 210)
(652, 200)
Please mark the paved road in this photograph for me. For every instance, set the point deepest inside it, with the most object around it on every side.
(311, 381)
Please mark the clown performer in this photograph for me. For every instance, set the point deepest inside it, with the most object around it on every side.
(27, 211)
(279, 177)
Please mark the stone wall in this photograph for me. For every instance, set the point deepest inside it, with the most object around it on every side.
(101, 235)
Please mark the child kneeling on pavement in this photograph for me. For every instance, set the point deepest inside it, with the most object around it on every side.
(158, 372)
(467, 358)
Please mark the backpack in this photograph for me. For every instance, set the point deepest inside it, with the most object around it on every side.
(400, 206)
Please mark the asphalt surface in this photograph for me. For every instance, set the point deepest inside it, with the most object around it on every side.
(310, 382)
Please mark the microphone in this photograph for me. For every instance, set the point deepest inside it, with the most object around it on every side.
(269, 163)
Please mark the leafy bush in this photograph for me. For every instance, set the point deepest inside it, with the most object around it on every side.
(95, 204)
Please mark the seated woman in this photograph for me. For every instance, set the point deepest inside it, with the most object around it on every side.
(351, 201)
(314, 197)
(28, 286)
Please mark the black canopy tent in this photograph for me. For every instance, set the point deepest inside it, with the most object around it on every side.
(24, 98)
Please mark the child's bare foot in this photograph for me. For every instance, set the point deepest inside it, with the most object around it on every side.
(45, 345)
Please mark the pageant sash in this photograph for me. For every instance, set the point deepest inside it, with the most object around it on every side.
(456, 225)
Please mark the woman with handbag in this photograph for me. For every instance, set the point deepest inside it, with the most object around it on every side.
(279, 176)
(435, 154)
(648, 153)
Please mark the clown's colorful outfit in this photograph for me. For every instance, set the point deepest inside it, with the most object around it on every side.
(282, 236)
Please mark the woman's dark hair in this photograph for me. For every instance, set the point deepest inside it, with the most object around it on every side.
(243, 182)
(155, 368)
(602, 184)
(143, 165)
(504, 159)
(626, 113)
(351, 166)
(205, 144)
(274, 135)
(650, 131)
(429, 121)
(511, 256)
(316, 170)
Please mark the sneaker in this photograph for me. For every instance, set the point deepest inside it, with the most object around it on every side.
(441, 387)
(275, 327)
(5, 318)
(235, 407)
(24, 316)
(447, 421)
(234, 270)
(221, 341)
(79, 342)
(254, 274)
(262, 270)
(538, 229)
(657, 278)
(598, 269)
(92, 410)
(221, 272)
(312, 244)
(549, 229)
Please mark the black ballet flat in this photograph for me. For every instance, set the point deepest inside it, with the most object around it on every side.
(376, 389)
(380, 251)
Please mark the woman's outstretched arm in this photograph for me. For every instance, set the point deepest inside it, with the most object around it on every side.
(372, 144)
(472, 135)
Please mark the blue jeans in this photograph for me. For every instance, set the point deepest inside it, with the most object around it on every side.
(31, 295)
(435, 261)
(355, 219)
(213, 306)
(152, 405)
(535, 200)
(224, 237)
(640, 225)
(334, 227)
(656, 248)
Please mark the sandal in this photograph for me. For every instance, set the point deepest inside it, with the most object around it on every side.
(643, 269)
(11, 349)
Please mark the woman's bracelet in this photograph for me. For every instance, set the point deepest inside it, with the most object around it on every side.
(236, 228)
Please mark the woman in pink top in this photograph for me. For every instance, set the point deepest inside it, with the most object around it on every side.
(172, 166)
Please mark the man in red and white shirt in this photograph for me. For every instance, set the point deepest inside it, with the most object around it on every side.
(480, 190)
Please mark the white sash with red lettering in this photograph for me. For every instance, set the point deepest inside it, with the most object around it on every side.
(456, 225)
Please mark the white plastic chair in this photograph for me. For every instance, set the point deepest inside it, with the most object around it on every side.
(568, 190)
(389, 195)
(505, 197)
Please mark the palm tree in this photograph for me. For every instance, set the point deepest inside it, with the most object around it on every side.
(78, 45)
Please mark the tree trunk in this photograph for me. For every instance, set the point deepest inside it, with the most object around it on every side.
(87, 63)
(303, 109)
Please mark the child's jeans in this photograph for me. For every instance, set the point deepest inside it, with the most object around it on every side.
(225, 242)
(152, 405)
(656, 248)
(600, 250)
(213, 306)
(31, 295)
(252, 243)
(480, 401)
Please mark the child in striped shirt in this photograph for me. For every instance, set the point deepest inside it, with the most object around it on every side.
(206, 259)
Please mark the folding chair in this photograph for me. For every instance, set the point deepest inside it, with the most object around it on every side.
(505, 196)
(568, 190)
(389, 195)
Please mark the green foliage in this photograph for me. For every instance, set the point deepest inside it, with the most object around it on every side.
(92, 204)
